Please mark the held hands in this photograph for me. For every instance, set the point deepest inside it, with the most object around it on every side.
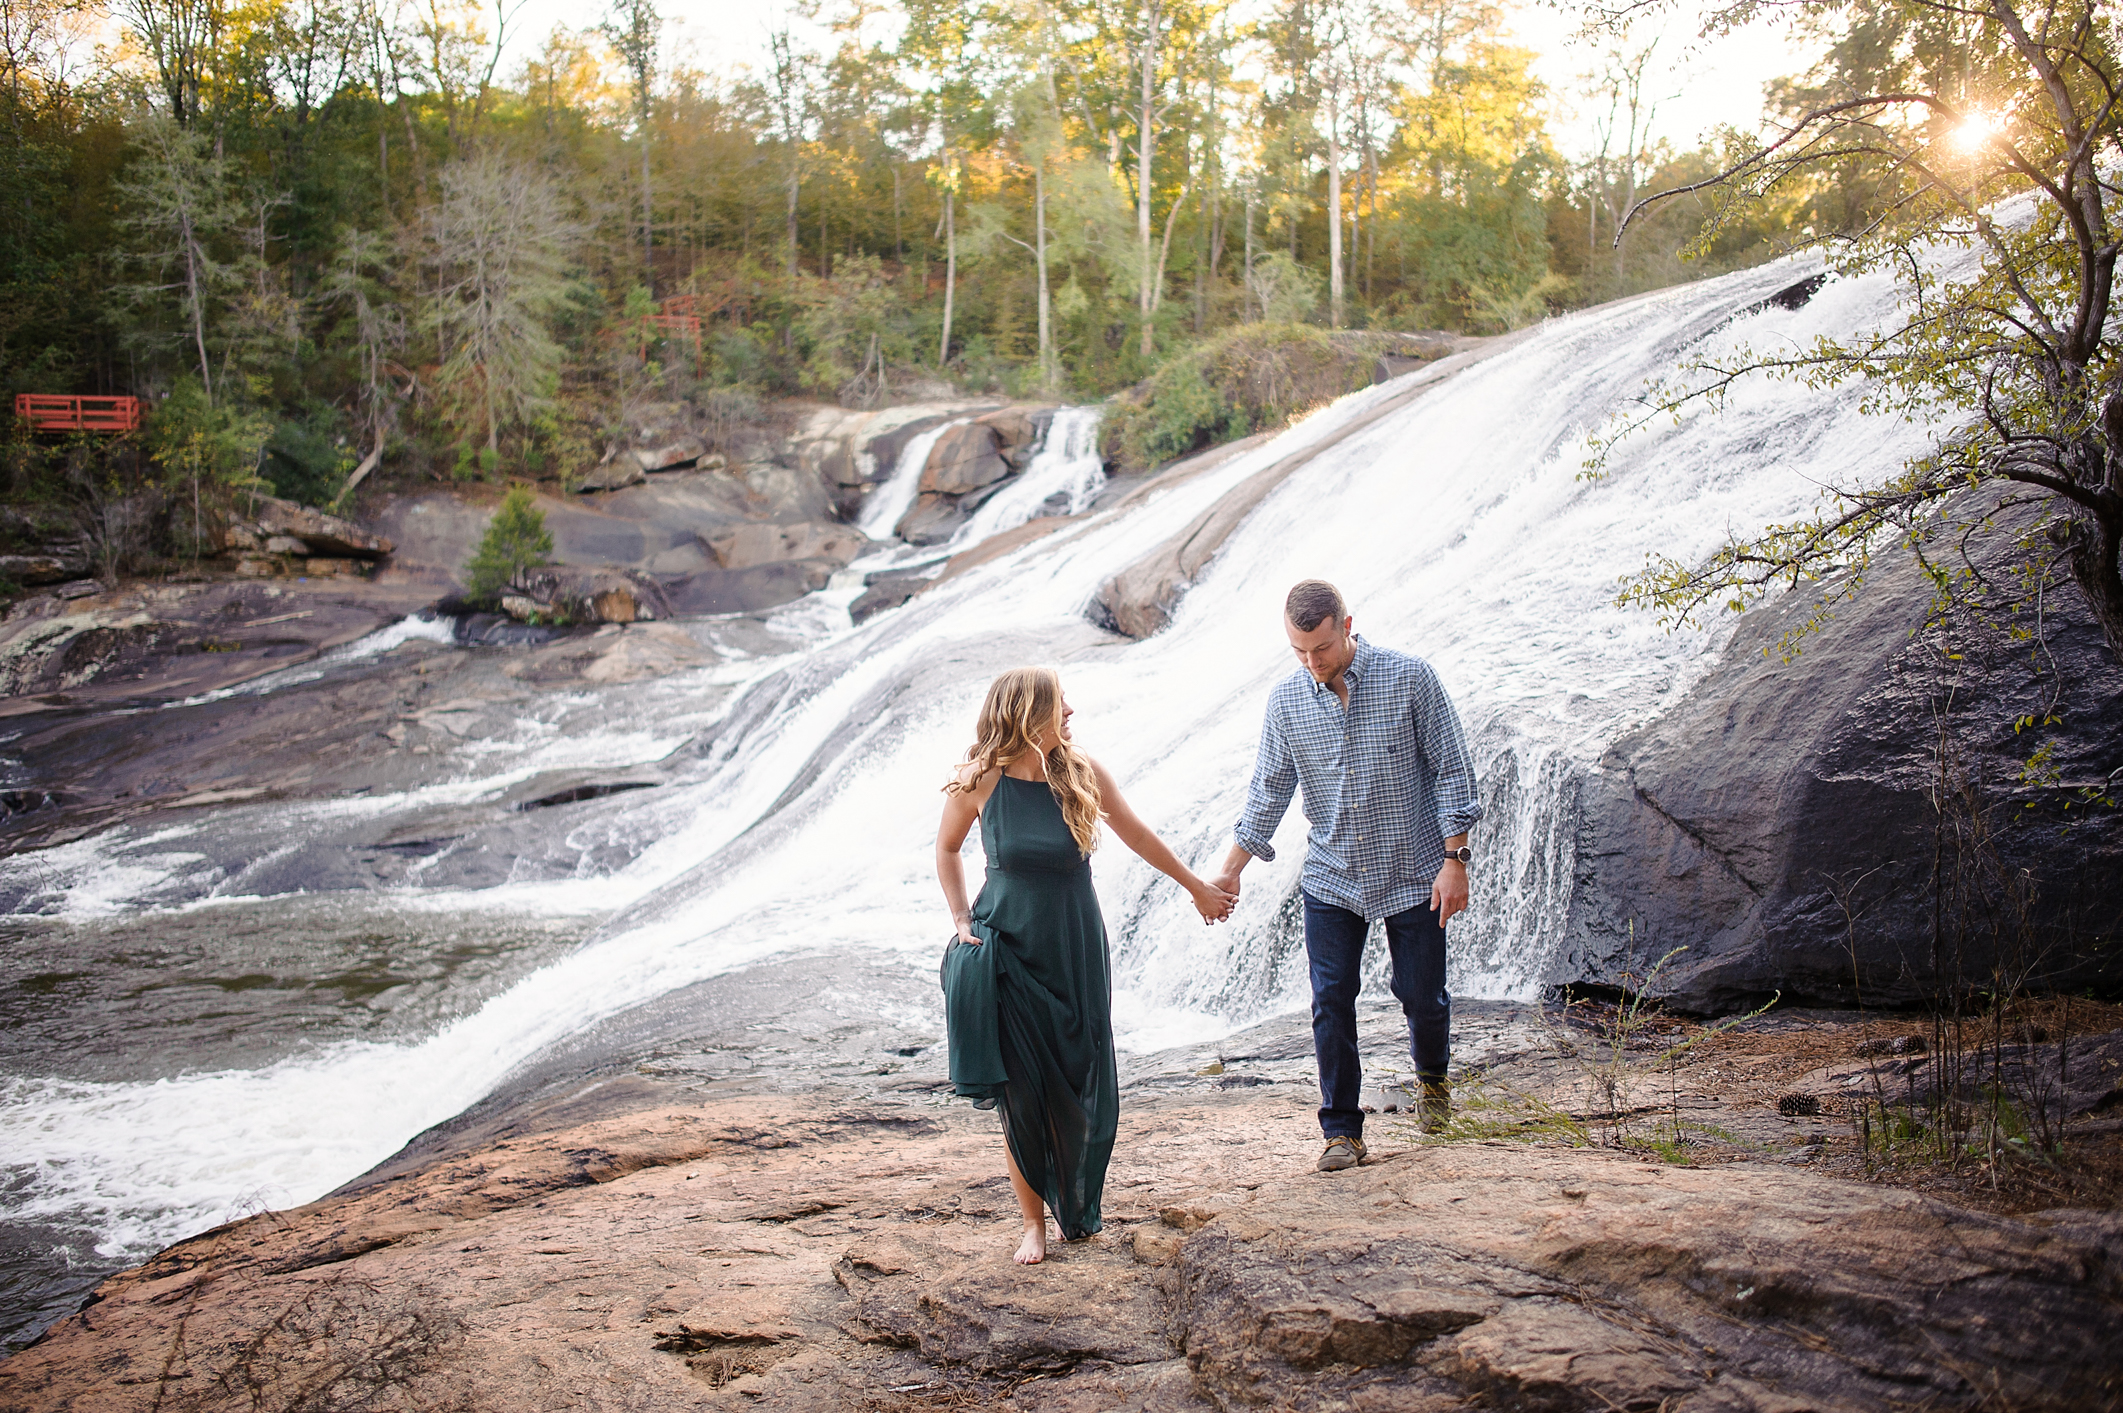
(1213, 902)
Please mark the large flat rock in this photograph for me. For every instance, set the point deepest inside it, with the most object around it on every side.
(655, 1220)
(1572, 1279)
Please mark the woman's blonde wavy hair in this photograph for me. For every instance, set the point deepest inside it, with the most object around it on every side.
(1021, 704)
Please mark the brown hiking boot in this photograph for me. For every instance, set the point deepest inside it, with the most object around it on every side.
(1342, 1152)
(1433, 1106)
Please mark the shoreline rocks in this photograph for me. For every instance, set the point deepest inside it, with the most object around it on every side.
(663, 1224)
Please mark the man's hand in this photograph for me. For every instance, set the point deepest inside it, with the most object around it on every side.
(1212, 902)
(1448, 891)
(1235, 863)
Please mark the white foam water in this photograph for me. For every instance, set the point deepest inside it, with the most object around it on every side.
(891, 500)
(1460, 528)
(1065, 468)
(418, 627)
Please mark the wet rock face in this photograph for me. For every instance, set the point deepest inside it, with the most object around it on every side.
(1139, 601)
(850, 452)
(1784, 819)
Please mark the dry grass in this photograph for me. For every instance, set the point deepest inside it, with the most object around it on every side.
(1690, 1092)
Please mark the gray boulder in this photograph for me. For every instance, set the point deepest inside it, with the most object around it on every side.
(932, 519)
(745, 545)
(318, 532)
(616, 474)
(42, 568)
(1861, 824)
(577, 595)
(965, 459)
(684, 451)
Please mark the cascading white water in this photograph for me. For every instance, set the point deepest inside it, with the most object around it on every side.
(895, 496)
(1066, 469)
(1460, 529)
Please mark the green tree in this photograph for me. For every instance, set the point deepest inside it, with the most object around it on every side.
(1474, 158)
(498, 245)
(205, 449)
(185, 215)
(633, 30)
(516, 540)
(1995, 137)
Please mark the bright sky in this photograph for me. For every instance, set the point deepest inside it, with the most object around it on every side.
(1699, 84)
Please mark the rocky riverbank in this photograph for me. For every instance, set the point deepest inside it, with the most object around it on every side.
(776, 1206)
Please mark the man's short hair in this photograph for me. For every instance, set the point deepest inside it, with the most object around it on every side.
(1312, 603)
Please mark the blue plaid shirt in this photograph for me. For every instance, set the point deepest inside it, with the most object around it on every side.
(1386, 781)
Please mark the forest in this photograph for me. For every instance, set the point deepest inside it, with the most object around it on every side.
(325, 238)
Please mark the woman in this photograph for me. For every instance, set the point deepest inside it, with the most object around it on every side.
(1027, 985)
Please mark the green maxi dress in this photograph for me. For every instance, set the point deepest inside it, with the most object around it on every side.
(1029, 1013)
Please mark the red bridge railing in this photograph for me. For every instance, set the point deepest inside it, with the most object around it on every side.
(61, 412)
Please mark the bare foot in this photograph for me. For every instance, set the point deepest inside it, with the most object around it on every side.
(1033, 1249)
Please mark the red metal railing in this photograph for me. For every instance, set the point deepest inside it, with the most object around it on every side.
(671, 326)
(684, 326)
(61, 412)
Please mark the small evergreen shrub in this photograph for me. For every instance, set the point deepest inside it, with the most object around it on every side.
(304, 459)
(516, 540)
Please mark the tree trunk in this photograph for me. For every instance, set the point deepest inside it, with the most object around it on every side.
(648, 227)
(1164, 249)
(196, 298)
(793, 234)
(943, 346)
(368, 464)
(1370, 226)
(1046, 320)
(1334, 211)
(1145, 150)
(2092, 543)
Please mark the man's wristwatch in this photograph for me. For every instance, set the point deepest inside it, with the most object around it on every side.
(1462, 853)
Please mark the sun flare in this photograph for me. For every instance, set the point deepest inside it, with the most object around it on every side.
(1975, 130)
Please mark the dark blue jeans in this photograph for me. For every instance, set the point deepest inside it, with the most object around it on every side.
(1334, 941)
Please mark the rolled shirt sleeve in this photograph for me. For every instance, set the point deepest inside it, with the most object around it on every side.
(1268, 797)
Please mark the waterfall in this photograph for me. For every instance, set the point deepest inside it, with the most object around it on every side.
(1065, 469)
(800, 813)
(895, 496)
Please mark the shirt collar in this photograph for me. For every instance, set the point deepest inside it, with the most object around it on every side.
(1354, 672)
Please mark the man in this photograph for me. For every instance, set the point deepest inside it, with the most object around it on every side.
(1372, 739)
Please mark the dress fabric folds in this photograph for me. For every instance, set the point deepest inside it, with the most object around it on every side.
(1029, 1013)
